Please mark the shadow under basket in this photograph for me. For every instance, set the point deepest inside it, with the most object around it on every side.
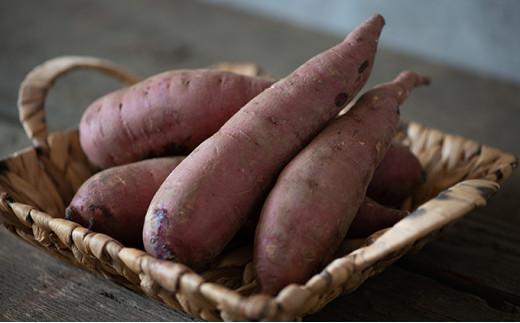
(36, 184)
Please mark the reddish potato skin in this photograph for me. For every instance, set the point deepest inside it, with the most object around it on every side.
(399, 171)
(167, 114)
(371, 217)
(308, 212)
(396, 177)
(207, 198)
(114, 201)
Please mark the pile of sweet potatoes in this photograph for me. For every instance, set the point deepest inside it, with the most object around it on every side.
(269, 160)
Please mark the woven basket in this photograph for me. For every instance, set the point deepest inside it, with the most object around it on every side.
(37, 183)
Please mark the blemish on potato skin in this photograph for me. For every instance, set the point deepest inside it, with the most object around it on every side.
(97, 213)
(273, 120)
(312, 184)
(270, 251)
(356, 118)
(363, 66)
(166, 253)
(160, 214)
(160, 247)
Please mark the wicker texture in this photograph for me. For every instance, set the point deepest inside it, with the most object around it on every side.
(36, 184)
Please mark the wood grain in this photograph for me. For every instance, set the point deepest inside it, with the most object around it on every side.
(479, 254)
(400, 295)
(39, 287)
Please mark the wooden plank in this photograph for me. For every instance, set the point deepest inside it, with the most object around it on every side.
(400, 295)
(37, 287)
(479, 254)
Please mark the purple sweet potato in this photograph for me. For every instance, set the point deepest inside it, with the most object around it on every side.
(396, 177)
(308, 212)
(371, 217)
(114, 201)
(167, 114)
(207, 198)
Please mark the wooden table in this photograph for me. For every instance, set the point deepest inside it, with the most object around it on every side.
(471, 272)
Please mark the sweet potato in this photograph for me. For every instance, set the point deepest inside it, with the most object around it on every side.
(167, 114)
(114, 201)
(371, 217)
(207, 198)
(399, 171)
(308, 212)
(396, 177)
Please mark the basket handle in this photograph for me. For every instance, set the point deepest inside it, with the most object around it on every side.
(34, 88)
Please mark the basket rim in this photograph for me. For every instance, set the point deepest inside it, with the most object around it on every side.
(291, 300)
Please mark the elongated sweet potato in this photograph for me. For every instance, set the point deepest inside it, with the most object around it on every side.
(114, 201)
(309, 210)
(371, 217)
(206, 199)
(166, 114)
(396, 177)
